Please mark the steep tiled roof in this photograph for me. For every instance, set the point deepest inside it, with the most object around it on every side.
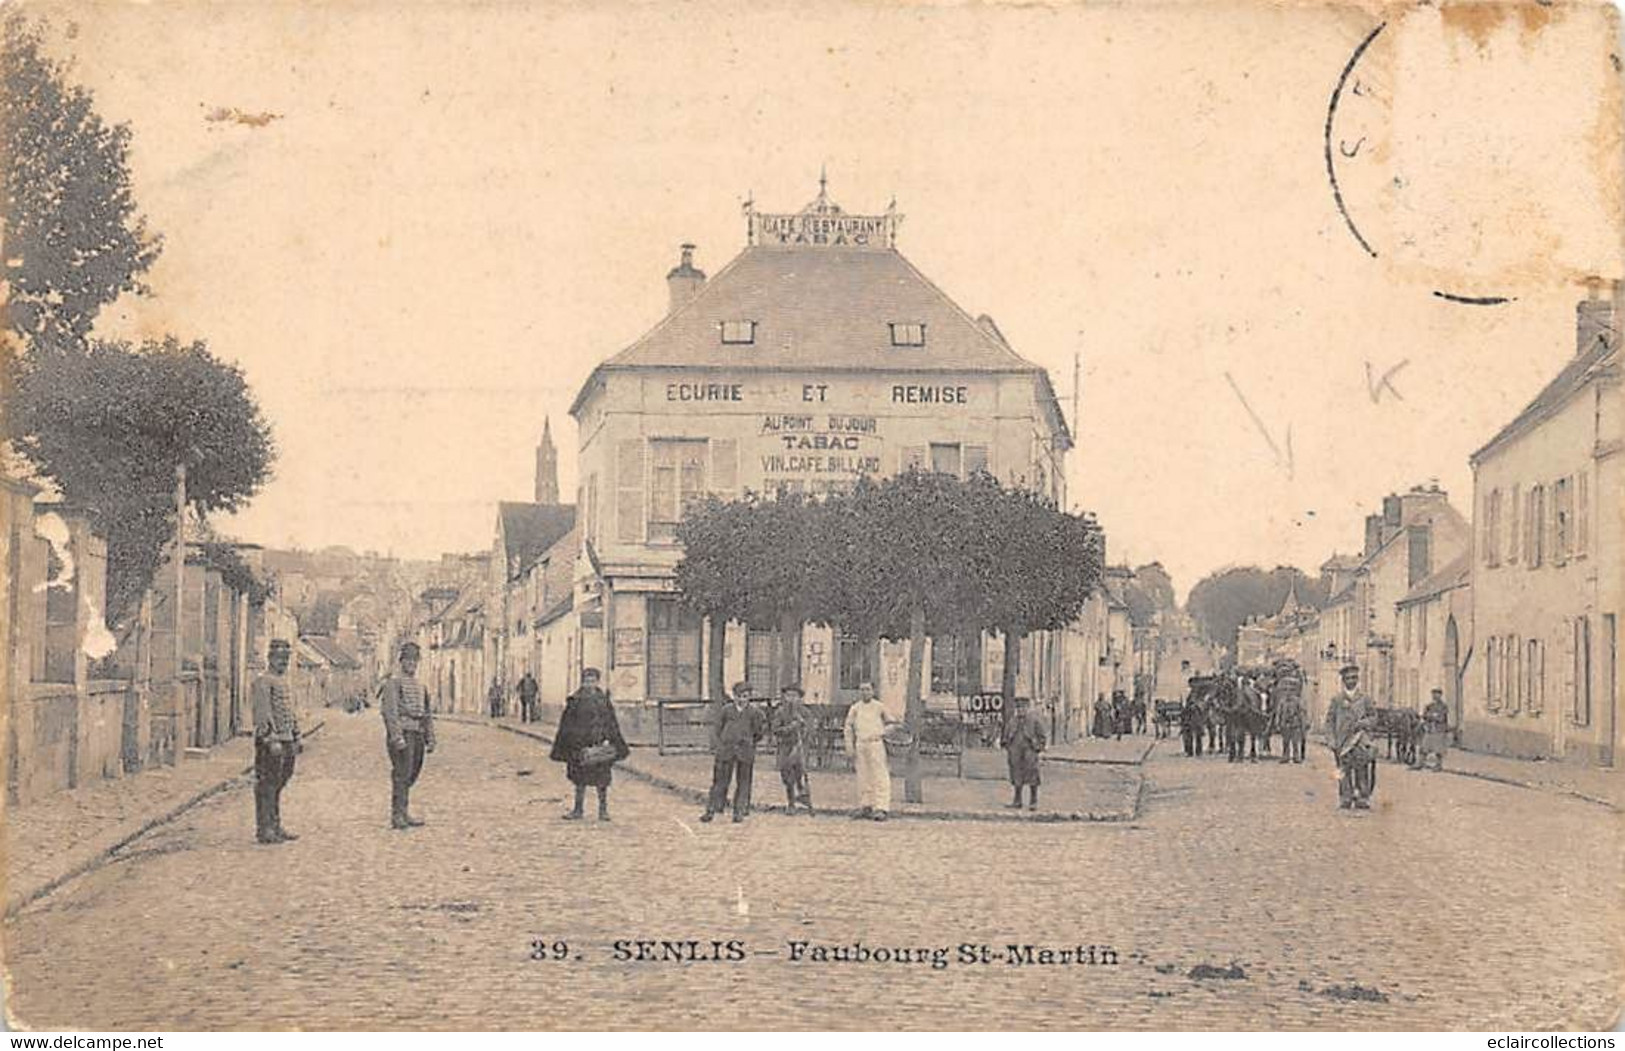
(528, 530)
(1454, 574)
(1574, 376)
(821, 308)
(330, 651)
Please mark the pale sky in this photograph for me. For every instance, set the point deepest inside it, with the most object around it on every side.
(459, 209)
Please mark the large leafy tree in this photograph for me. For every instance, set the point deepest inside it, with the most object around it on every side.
(1037, 566)
(112, 425)
(74, 240)
(1222, 602)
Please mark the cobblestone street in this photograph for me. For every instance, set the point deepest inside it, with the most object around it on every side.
(1457, 902)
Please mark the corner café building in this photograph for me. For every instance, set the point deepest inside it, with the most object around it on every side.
(818, 354)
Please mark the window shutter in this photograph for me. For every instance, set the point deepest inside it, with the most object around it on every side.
(724, 468)
(1549, 520)
(975, 459)
(629, 491)
(1582, 514)
(1514, 526)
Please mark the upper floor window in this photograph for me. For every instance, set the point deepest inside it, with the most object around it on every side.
(676, 482)
(1562, 520)
(1492, 528)
(738, 332)
(1534, 525)
(907, 333)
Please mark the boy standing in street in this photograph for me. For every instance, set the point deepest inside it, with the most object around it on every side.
(736, 726)
(791, 723)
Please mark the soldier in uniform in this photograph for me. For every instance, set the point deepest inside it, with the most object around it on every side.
(1350, 720)
(276, 742)
(408, 732)
(790, 725)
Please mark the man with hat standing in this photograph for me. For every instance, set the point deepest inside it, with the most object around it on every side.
(736, 726)
(408, 731)
(790, 724)
(1023, 739)
(276, 742)
(1349, 722)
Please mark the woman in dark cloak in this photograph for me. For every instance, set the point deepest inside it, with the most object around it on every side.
(589, 743)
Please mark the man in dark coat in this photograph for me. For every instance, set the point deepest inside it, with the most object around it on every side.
(528, 692)
(589, 743)
(1023, 739)
(1193, 719)
(408, 732)
(736, 726)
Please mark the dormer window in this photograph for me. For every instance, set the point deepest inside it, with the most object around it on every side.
(738, 333)
(907, 333)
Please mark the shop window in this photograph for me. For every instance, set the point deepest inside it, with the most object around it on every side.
(956, 664)
(907, 334)
(857, 663)
(674, 650)
(676, 483)
(738, 333)
(762, 662)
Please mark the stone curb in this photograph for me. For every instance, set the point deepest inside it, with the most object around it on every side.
(1538, 786)
(698, 796)
(1080, 761)
(104, 854)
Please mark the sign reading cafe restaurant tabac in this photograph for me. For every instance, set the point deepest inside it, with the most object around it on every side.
(823, 223)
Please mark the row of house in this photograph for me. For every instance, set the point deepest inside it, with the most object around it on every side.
(1513, 616)
(819, 354)
(83, 703)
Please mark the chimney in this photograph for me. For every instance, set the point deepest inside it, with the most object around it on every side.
(1594, 318)
(684, 280)
(1373, 534)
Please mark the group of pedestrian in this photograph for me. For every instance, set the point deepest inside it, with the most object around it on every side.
(1118, 715)
(529, 693)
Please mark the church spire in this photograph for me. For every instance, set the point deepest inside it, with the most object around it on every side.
(547, 466)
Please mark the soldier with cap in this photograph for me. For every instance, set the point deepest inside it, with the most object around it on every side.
(790, 724)
(408, 730)
(276, 742)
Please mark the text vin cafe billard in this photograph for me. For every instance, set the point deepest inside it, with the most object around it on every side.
(901, 393)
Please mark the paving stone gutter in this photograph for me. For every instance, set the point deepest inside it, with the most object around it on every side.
(100, 856)
(698, 796)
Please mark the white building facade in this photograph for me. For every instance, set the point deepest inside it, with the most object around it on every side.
(818, 355)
